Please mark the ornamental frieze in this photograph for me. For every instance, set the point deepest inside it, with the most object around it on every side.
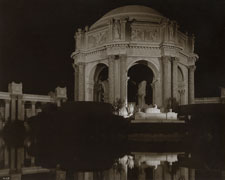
(144, 51)
(96, 55)
(145, 34)
(97, 39)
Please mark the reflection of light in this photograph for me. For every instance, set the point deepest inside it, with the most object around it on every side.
(2, 142)
(27, 142)
(154, 159)
(127, 160)
(153, 163)
(6, 178)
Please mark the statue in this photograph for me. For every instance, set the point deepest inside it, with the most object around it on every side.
(105, 86)
(141, 93)
(99, 95)
(116, 29)
(78, 39)
(171, 31)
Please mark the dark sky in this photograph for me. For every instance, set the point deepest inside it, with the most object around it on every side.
(36, 39)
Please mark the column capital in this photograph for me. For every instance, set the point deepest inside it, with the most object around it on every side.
(123, 56)
(192, 67)
(166, 59)
(181, 91)
(7, 101)
(13, 96)
(175, 59)
(33, 102)
(20, 96)
(80, 63)
(75, 66)
(154, 82)
(111, 57)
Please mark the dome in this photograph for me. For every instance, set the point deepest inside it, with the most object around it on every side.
(132, 11)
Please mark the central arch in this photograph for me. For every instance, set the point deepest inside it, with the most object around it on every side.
(138, 73)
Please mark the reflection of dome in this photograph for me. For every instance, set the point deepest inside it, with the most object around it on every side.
(131, 11)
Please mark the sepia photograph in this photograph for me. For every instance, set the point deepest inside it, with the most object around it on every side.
(112, 90)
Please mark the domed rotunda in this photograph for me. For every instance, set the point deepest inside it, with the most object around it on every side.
(134, 53)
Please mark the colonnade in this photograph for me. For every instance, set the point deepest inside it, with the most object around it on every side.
(166, 80)
(170, 82)
(18, 106)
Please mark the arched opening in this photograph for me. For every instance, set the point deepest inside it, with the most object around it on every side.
(101, 85)
(139, 84)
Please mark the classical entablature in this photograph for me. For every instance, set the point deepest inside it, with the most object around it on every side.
(126, 36)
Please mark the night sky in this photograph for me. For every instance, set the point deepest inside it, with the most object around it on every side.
(37, 39)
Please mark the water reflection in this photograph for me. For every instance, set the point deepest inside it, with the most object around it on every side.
(83, 144)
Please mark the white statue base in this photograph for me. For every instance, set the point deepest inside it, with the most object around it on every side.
(153, 115)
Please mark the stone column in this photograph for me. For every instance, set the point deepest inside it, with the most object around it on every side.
(6, 157)
(191, 174)
(13, 107)
(80, 176)
(12, 159)
(166, 80)
(81, 86)
(22, 110)
(20, 151)
(123, 174)
(88, 175)
(33, 108)
(20, 158)
(58, 102)
(32, 161)
(111, 79)
(116, 79)
(19, 107)
(158, 173)
(141, 173)
(33, 113)
(184, 173)
(123, 29)
(167, 171)
(191, 85)
(182, 97)
(76, 84)
(116, 174)
(123, 78)
(60, 175)
(7, 101)
(109, 174)
(174, 79)
(153, 85)
(13, 117)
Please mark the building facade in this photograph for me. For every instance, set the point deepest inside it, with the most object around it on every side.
(131, 36)
(16, 105)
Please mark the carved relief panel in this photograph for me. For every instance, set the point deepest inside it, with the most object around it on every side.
(97, 39)
(147, 34)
